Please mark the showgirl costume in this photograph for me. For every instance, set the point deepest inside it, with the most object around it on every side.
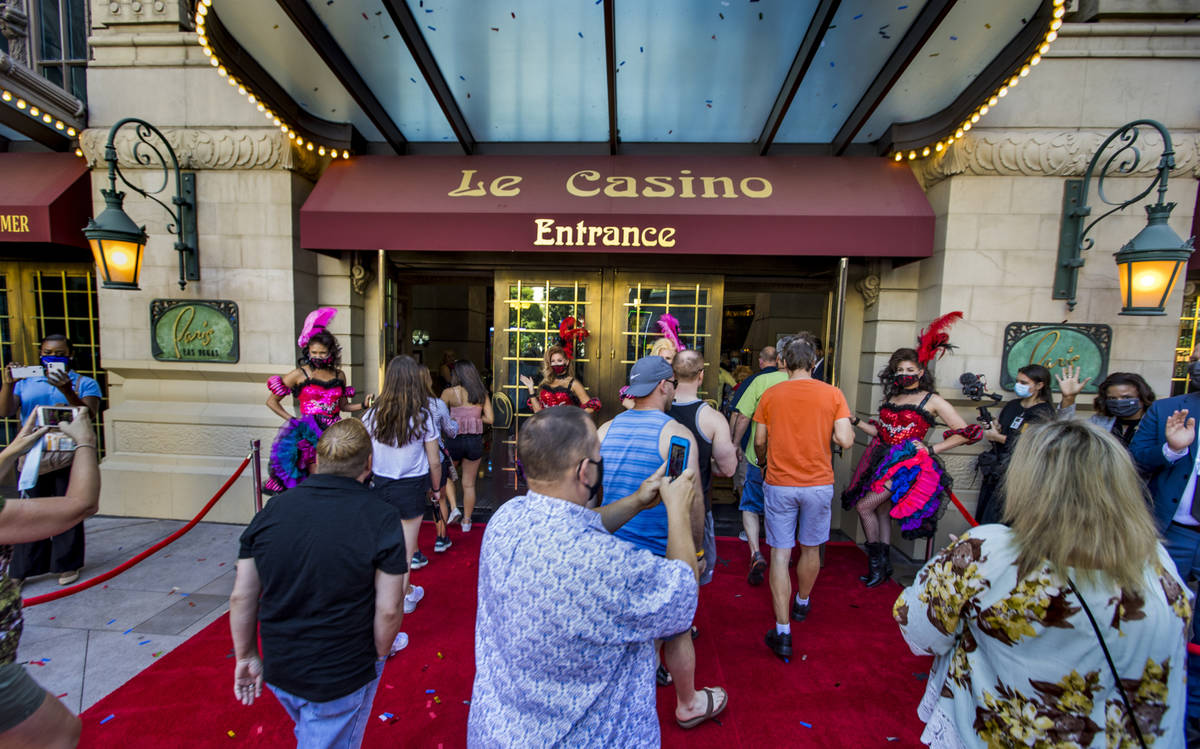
(570, 332)
(920, 485)
(295, 447)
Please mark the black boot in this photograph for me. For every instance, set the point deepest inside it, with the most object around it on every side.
(879, 563)
(870, 548)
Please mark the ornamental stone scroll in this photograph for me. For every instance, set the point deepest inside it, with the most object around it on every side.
(214, 148)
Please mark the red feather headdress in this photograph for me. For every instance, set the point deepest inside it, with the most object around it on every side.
(934, 341)
(571, 331)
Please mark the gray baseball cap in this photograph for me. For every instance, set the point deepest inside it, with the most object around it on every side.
(645, 375)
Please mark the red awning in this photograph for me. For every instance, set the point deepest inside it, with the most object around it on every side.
(711, 205)
(44, 197)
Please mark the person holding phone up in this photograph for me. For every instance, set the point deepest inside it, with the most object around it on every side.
(59, 385)
(795, 422)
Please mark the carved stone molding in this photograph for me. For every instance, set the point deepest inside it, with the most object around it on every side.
(23, 82)
(869, 286)
(140, 11)
(360, 274)
(14, 26)
(1049, 153)
(212, 148)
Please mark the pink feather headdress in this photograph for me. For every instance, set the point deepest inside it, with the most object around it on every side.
(316, 321)
(670, 330)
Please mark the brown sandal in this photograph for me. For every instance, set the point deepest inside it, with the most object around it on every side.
(710, 712)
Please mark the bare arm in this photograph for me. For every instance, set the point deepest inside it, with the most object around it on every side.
(724, 454)
(9, 402)
(738, 424)
(760, 443)
(243, 626)
(389, 610)
(843, 433)
(275, 402)
(615, 514)
(535, 404)
(867, 428)
(488, 416)
(582, 394)
(953, 420)
(25, 520)
(435, 465)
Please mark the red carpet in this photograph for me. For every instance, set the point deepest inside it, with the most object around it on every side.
(852, 678)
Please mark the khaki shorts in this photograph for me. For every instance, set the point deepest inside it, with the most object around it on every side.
(20, 696)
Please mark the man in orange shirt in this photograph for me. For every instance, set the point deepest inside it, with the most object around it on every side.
(797, 419)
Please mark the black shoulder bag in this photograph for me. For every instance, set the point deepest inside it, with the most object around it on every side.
(1111, 666)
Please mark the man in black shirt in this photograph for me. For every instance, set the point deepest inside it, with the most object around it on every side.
(321, 569)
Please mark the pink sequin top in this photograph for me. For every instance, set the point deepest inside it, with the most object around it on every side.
(320, 398)
(469, 418)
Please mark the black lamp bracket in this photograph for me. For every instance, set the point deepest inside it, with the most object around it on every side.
(148, 153)
(1073, 238)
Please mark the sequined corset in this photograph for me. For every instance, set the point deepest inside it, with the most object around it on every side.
(557, 396)
(321, 397)
(901, 422)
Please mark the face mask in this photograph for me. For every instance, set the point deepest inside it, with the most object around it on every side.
(558, 369)
(594, 489)
(905, 381)
(48, 360)
(1022, 390)
(321, 363)
(1122, 407)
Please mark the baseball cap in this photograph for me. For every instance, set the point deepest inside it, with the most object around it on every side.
(645, 375)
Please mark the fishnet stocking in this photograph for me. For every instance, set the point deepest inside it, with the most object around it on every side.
(866, 514)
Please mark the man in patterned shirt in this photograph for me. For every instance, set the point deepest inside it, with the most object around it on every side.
(568, 613)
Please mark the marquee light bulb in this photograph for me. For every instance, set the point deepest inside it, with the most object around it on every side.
(993, 101)
(1003, 92)
(34, 111)
(6, 96)
(1051, 36)
(938, 147)
(966, 126)
(71, 132)
(321, 150)
(345, 154)
(1056, 24)
(958, 133)
(912, 155)
(1035, 59)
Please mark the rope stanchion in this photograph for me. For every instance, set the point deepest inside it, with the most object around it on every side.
(970, 520)
(1193, 649)
(54, 596)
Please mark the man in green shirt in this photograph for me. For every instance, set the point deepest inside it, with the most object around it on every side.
(752, 491)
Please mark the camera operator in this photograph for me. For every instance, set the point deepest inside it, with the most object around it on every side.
(30, 716)
(1032, 404)
(55, 387)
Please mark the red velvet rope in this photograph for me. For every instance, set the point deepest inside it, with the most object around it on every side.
(54, 596)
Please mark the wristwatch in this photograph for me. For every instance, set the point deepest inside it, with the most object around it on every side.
(854, 421)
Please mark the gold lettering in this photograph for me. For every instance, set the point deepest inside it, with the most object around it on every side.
(590, 175)
(464, 188)
(592, 232)
(648, 239)
(686, 182)
(764, 190)
(14, 223)
(506, 186)
(664, 183)
(25, 224)
(181, 331)
(666, 237)
(629, 191)
(543, 231)
(566, 233)
(1049, 361)
(710, 183)
(628, 233)
(611, 237)
(6, 223)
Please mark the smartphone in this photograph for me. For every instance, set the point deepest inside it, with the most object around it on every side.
(677, 455)
(56, 366)
(21, 373)
(51, 416)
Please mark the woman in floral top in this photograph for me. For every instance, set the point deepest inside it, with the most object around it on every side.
(1017, 663)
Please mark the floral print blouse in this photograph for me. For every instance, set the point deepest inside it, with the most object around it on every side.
(1017, 663)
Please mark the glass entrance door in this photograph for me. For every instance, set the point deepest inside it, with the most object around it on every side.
(621, 313)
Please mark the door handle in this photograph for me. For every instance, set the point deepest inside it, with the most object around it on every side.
(612, 353)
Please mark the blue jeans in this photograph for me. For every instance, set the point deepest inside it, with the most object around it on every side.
(337, 724)
(1184, 547)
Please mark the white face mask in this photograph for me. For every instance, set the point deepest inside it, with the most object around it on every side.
(1022, 390)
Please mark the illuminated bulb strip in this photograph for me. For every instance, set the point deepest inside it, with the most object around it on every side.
(994, 98)
(202, 37)
(42, 116)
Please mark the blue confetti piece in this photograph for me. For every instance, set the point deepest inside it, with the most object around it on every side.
(110, 717)
(461, 78)
(414, 80)
(806, 725)
(127, 631)
(144, 642)
(954, 38)
(599, 1)
(45, 660)
(708, 101)
(431, 28)
(430, 691)
(185, 595)
(111, 621)
(580, 34)
(622, 63)
(641, 49)
(429, 10)
(902, 7)
(832, 65)
(860, 15)
(834, 105)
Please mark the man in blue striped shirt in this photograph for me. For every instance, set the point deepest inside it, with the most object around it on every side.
(634, 446)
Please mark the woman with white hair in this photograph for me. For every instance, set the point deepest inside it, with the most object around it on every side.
(1065, 627)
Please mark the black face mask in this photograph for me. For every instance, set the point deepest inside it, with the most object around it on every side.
(321, 363)
(1122, 408)
(558, 369)
(905, 381)
(594, 489)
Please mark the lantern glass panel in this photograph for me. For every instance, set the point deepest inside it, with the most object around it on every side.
(1147, 284)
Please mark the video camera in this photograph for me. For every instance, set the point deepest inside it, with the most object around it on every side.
(974, 386)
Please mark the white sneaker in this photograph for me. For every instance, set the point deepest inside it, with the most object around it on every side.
(466, 526)
(743, 537)
(398, 644)
(455, 516)
(413, 598)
